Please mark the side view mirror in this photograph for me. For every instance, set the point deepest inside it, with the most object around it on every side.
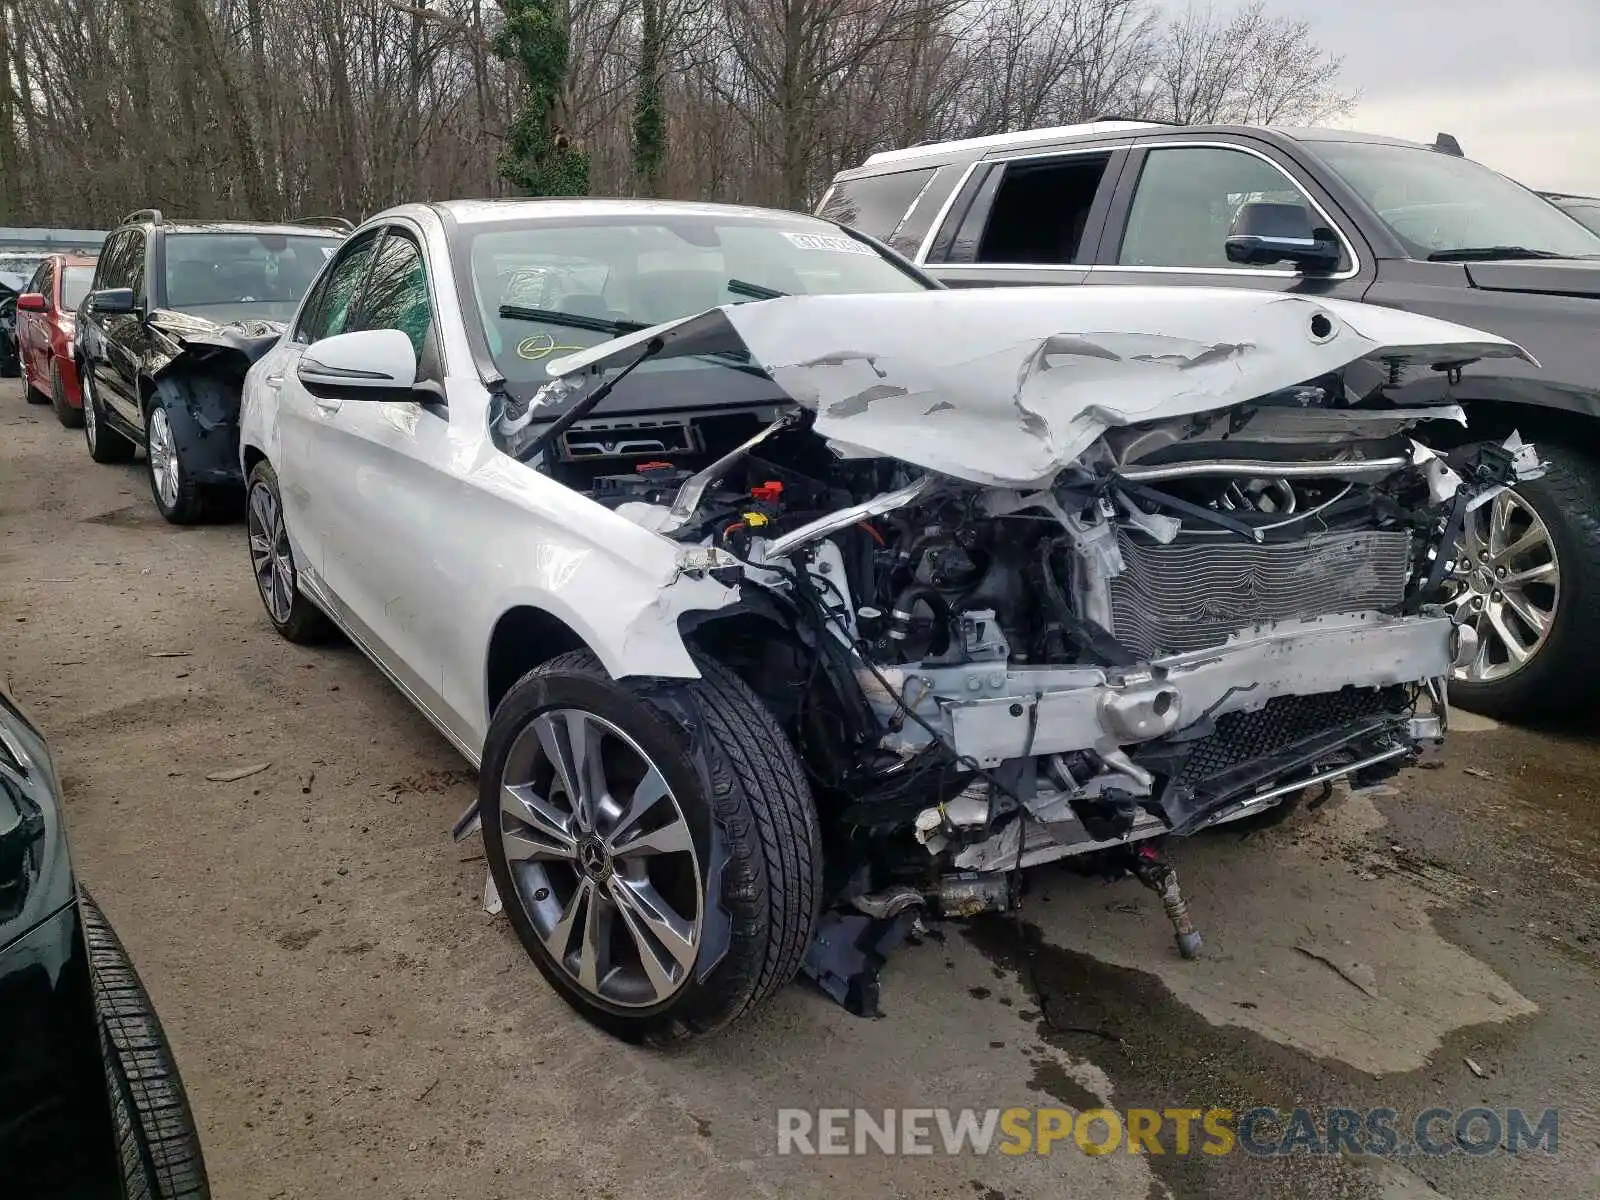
(32, 302)
(1263, 234)
(109, 302)
(371, 364)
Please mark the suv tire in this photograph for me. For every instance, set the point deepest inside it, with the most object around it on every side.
(105, 444)
(1563, 673)
(733, 799)
(179, 498)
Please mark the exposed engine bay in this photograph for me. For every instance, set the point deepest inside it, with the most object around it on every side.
(1187, 619)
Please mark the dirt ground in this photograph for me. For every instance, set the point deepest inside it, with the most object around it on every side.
(350, 1022)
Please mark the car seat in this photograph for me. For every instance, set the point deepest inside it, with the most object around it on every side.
(191, 283)
(241, 280)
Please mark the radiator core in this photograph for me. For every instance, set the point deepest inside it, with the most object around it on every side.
(1196, 591)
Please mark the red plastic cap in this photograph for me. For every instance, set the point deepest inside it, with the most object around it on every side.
(652, 466)
(770, 490)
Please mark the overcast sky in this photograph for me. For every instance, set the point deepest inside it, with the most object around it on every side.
(1517, 82)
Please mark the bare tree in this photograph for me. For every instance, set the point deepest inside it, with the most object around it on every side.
(272, 108)
(1247, 68)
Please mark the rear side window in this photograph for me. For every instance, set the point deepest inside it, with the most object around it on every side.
(876, 204)
(1041, 210)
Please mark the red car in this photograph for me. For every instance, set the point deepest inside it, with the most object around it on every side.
(45, 318)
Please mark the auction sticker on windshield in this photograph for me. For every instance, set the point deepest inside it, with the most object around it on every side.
(822, 241)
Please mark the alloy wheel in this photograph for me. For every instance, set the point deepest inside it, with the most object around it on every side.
(91, 422)
(1507, 583)
(163, 456)
(270, 556)
(602, 859)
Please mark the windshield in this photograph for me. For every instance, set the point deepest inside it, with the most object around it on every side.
(613, 273)
(1436, 203)
(75, 283)
(243, 275)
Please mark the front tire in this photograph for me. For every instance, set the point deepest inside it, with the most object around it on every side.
(65, 413)
(1529, 577)
(676, 911)
(179, 498)
(272, 562)
(156, 1136)
(105, 444)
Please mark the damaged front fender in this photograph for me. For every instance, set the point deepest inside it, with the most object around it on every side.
(181, 341)
(195, 369)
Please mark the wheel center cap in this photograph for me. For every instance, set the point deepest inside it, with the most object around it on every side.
(594, 859)
(1482, 581)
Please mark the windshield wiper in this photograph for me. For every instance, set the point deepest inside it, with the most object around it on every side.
(1487, 253)
(587, 404)
(736, 359)
(755, 291)
(550, 316)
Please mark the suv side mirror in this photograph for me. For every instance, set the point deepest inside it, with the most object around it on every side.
(370, 364)
(109, 302)
(1264, 233)
(32, 302)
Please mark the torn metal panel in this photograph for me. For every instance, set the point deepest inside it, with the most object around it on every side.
(1006, 387)
(180, 337)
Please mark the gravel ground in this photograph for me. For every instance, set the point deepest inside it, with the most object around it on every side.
(351, 1023)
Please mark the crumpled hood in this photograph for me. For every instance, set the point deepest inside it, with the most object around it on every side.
(1006, 386)
(187, 326)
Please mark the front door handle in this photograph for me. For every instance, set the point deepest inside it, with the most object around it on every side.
(274, 381)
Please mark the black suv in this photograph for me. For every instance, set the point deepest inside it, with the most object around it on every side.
(1323, 213)
(90, 1101)
(177, 313)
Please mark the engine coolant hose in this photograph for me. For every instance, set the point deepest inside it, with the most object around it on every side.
(905, 611)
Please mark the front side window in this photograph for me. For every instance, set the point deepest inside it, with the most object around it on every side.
(396, 294)
(327, 309)
(244, 275)
(615, 273)
(41, 280)
(116, 267)
(1441, 207)
(1186, 200)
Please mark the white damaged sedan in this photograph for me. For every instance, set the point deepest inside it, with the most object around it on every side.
(784, 600)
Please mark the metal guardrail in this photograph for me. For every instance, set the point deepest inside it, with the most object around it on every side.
(18, 239)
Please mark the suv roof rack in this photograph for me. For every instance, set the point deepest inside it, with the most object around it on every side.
(153, 215)
(333, 222)
(1140, 120)
(1023, 137)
